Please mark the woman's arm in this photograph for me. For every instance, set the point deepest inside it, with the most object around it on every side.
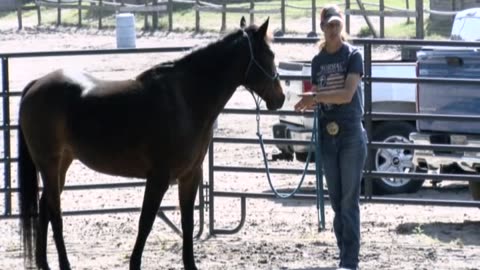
(335, 96)
(340, 95)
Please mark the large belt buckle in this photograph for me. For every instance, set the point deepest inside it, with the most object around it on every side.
(332, 128)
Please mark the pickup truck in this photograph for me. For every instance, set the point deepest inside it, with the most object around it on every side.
(453, 99)
(386, 97)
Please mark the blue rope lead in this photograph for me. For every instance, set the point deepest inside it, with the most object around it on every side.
(315, 139)
(319, 173)
(286, 195)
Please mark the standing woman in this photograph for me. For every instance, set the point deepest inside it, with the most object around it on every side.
(336, 74)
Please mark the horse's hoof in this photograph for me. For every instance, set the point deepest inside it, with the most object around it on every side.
(134, 265)
(193, 267)
(65, 267)
(43, 266)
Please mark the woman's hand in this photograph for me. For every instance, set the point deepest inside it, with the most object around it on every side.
(306, 102)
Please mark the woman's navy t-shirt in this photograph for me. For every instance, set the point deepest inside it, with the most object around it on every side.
(329, 72)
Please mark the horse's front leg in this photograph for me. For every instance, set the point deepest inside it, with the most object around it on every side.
(187, 189)
(156, 186)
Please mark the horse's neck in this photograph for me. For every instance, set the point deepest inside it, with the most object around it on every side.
(206, 79)
(214, 84)
(210, 99)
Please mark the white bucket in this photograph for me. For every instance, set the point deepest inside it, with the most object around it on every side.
(125, 30)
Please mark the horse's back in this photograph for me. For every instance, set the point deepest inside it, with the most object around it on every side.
(64, 106)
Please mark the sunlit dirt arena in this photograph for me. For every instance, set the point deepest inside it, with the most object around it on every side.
(278, 234)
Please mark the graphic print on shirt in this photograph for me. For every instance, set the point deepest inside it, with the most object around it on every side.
(330, 77)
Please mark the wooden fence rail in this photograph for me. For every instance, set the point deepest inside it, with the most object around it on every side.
(101, 7)
(156, 8)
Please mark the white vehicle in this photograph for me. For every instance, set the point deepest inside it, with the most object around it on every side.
(450, 98)
(386, 97)
(465, 25)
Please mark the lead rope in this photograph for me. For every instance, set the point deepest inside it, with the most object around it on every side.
(319, 173)
(315, 139)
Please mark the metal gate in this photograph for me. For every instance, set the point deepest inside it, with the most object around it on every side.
(368, 79)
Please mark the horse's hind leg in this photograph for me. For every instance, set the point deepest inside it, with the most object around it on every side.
(41, 244)
(50, 210)
(187, 191)
(156, 186)
(44, 218)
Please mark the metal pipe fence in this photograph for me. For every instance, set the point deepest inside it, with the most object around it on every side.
(207, 192)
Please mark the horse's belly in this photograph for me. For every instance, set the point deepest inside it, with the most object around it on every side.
(127, 166)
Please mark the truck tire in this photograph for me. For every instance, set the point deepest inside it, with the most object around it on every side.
(393, 160)
(475, 190)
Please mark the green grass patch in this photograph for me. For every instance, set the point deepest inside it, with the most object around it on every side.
(184, 17)
(402, 30)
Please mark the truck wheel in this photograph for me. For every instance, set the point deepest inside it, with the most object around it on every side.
(475, 190)
(393, 160)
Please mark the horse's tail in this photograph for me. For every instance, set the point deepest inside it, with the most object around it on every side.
(28, 192)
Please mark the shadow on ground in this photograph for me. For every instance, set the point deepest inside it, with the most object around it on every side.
(465, 233)
(452, 191)
(315, 268)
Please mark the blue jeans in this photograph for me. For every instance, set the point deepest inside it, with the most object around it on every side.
(343, 158)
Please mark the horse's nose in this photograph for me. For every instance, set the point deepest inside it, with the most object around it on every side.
(276, 103)
(282, 100)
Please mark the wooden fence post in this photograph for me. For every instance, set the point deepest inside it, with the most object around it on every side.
(39, 14)
(197, 16)
(155, 15)
(382, 19)
(419, 19)
(224, 16)
(145, 16)
(283, 17)
(170, 15)
(18, 5)
(313, 33)
(367, 19)
(79, 13)
(252, 11)
(100, 13)
(407, 2)
(59, 13)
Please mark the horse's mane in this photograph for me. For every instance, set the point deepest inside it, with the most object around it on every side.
(201, 54)
(217, 46)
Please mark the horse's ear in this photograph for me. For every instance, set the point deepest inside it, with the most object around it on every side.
(243, 22)
(262, 31)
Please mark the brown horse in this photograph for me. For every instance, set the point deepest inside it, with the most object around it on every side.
(157, 126)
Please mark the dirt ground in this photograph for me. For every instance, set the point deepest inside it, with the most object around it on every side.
(278, 234)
